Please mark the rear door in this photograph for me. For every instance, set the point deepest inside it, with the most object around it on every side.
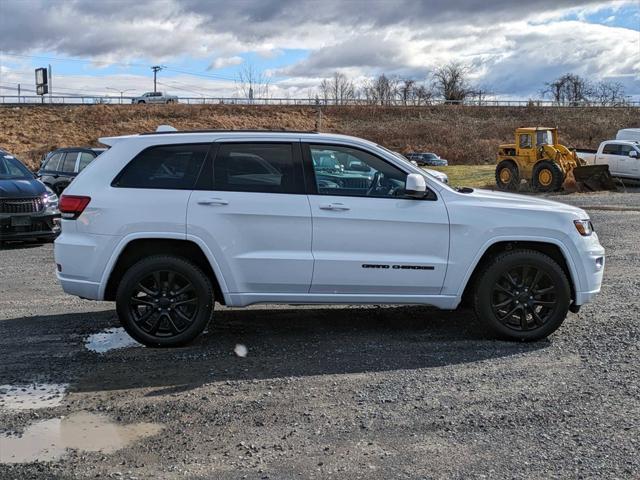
(252, 212)
(368, 238)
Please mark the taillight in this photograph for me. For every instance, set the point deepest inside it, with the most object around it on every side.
(71, 206)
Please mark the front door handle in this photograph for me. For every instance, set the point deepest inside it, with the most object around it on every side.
(334, 206)
(213, 201)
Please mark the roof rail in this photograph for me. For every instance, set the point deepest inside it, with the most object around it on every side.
(164, 132)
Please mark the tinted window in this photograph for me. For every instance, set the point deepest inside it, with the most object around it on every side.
(352, 172)
(611, 149)
(85, 159)
(53, 162)
(173, 167)
(69, 163)
(257, 167)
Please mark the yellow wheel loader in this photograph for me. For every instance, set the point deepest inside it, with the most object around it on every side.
(546, 165)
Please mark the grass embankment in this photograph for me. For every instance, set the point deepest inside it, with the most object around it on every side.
(476, 176)
(462, 135)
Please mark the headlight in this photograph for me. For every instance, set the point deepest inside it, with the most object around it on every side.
(584, 227)
(50, 200)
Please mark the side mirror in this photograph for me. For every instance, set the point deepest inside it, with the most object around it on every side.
(415, 186)
(633, 154)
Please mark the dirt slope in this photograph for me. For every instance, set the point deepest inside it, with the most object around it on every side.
(460, 134)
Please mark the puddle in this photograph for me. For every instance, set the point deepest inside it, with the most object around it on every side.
(110, 339)
(49, 440)
(33, 396)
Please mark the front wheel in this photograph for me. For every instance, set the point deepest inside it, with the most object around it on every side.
(164, 301)
(547, 176)
(522, 295)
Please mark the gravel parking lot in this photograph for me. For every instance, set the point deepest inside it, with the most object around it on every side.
(371, 392)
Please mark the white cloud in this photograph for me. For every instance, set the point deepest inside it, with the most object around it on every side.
(222, 62)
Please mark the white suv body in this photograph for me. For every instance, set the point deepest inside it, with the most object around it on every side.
(313, 231)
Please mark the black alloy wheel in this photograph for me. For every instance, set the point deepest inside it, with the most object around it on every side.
(164, 301)
(522, 294)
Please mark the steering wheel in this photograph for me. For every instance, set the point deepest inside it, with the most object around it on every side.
(374, 183)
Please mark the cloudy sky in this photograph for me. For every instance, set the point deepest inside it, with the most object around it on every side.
(512, 48)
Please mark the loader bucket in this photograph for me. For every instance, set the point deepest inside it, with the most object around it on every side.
(593, 177)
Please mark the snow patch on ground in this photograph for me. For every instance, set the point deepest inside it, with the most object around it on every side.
(110, 339)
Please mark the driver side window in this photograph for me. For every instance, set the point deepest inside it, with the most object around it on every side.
(348, 171)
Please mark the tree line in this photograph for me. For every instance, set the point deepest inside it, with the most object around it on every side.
(451, 82)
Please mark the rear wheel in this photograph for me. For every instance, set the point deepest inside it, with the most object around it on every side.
(507, 175)
(522, 295)
(164, 301)
(547, 176)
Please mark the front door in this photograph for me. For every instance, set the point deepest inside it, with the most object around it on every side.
(254, 216)
(629, 166)
(368, 238)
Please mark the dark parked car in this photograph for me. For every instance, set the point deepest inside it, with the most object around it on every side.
(28, 208)
(61, 166)
(427, 158)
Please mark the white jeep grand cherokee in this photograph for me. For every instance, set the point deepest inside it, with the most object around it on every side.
(165, 223)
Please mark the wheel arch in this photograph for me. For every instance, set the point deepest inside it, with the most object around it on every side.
(129, 252)
(549, 247)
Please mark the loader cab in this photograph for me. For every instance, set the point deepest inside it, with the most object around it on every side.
(529, 140)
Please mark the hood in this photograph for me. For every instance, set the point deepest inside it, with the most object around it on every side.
(21, 188)
(514, 200)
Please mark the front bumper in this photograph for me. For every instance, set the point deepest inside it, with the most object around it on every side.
(33, 225)
(593, 261)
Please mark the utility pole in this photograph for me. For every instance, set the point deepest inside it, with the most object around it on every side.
(156, 69)
(19, 93)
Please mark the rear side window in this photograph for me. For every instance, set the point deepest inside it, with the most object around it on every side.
(172, 167)
(69, 164)
(257, 167)
(611, 149)
(85, 159)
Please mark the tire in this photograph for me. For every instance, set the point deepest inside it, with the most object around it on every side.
(507, 175)
(504, 291)
(547, 176)
(169, 320)
(141, 101)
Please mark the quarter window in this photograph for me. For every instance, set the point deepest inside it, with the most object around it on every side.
(171, 167)
(351, 172)
(257, 167)
(85, 159)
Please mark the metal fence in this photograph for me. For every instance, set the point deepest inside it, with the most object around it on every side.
(34, 100)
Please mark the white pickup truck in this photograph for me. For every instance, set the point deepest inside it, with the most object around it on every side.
(622, 156)
(155, 97)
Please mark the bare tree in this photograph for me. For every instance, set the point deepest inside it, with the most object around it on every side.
(423, 95)
(407, 90)
(609, 93)
(569, 89)
(381, 90)
(338, 89)
(451, 83)
(253, 83)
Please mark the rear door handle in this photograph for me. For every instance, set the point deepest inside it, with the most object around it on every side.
(334, 206)
(213, 201)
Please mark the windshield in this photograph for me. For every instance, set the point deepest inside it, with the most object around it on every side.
(12, 169)
(544, 137)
